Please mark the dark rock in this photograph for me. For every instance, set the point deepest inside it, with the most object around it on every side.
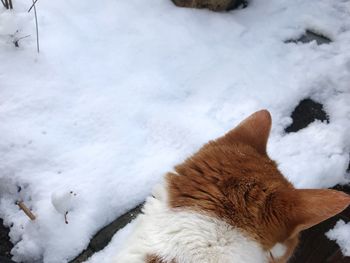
(309, 36)
(215, 5)
(85, 255)
(5, 244)
(5, 260)
(305, 113)
(104, 236)
(338, 257)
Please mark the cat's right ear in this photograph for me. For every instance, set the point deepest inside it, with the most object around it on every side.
(253, 131)
(312, 206)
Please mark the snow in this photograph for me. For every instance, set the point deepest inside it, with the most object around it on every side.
(64, 202)
(341, 234)
(123, 90)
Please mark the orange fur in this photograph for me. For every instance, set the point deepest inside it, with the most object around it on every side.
(233, 179)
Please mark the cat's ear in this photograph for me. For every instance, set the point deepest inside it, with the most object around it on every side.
(253, 131)
(310, 207)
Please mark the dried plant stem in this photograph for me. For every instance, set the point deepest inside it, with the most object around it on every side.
(36, 25)
(31, 5)
(65, 217)
(26, 210)
(16, 41)
(5, 4)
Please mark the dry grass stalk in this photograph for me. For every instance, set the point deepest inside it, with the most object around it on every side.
(7, 4)
(26, 210)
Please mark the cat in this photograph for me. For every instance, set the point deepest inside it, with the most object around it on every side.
(228, 203)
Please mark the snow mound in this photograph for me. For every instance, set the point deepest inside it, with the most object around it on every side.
(341, 234)
(124, 90)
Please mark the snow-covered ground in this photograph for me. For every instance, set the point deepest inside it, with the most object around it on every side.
(123, 90)
(341, 233)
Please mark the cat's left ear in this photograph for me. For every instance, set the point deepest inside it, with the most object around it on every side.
(310, 207)
(253, 131)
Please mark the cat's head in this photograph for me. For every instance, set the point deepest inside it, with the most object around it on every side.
(233, 179)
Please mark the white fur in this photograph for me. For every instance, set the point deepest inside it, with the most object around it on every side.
(278, 250)
(187, 237)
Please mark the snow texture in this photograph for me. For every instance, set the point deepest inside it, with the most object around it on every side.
(123, 90)
(341, 234)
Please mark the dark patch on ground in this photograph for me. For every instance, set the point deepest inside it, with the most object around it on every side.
(310, 36)
(305, 113)
(238, 4)
(104, 236)
(314, 246)
(5, 244)
(214, 5)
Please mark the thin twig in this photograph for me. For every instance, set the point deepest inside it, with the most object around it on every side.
(37, 27)
(65, 218)
(26, 210)
(4, 3)
(31, 5)
(16, 41)
(10, 4)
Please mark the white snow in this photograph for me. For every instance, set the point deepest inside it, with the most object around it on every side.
(124, 90)
(341, 234)
(64, 202)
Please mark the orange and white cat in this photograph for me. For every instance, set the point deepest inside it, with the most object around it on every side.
(228, 203)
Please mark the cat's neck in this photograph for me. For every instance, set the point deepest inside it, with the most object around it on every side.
(187, 236)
